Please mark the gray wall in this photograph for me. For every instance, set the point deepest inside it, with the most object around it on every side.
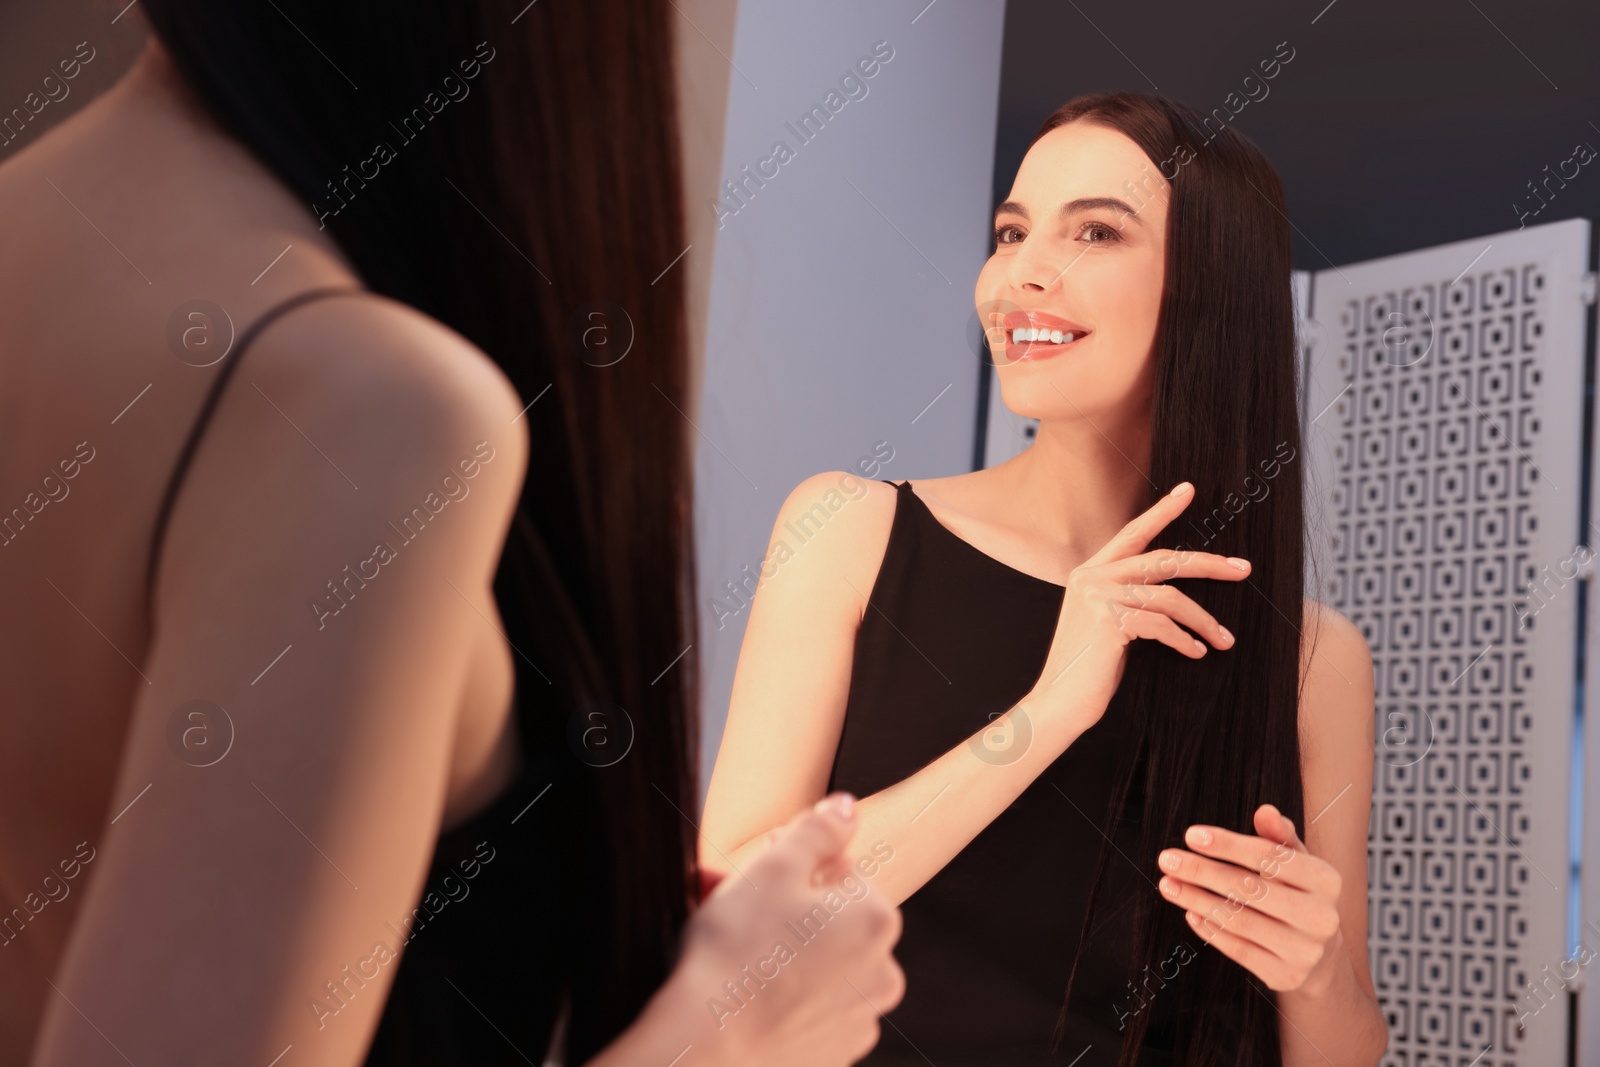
(841, 288)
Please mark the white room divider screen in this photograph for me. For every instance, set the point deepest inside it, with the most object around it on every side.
(1444, 441)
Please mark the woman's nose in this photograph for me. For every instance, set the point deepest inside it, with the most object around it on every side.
(1033, 270)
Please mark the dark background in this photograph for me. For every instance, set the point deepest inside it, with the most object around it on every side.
(1396, 126)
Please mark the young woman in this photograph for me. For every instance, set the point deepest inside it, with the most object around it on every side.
(1107, 851)
(340, 726)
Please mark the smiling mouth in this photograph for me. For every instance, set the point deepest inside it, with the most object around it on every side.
(1023, 335)
(1029, 344)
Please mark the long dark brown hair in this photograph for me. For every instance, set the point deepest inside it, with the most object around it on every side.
(1214, 738)
(548, 186)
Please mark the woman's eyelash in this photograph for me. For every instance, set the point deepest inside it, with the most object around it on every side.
(1107, 227)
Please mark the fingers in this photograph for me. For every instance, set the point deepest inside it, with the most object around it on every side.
(832, 870)
(1140, 574)
(1291, 864)
(1164, 564)
(1136, 536)
(883, 989)
(1266, 901)
(1286, 952)
(1268, 966)
(1282, 938)
(1276, 826)
(816, 836)
(1181, 607)
(1155, 626)
(1238, 887)
(1274, 859)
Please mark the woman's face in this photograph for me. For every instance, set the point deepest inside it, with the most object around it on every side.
(1081, 246)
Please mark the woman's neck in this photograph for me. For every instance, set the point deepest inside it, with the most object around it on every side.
(153, 90)
(1078, 485)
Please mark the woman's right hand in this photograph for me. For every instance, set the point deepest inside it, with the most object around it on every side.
(819, 1007)
(1115, 596)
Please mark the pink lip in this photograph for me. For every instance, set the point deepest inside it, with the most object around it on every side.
(1034, 351)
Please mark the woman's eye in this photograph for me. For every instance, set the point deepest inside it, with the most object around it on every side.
(1010, 234)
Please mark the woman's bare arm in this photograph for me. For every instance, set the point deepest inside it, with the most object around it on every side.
(1343, 1024)
(234, 910)
(789, 694)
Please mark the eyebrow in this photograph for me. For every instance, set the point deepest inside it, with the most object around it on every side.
(1072, 207)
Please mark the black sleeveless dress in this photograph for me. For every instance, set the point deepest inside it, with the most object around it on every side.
(952, 638)
(502, 918)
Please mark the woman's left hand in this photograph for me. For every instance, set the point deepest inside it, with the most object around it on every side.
(1263, 901)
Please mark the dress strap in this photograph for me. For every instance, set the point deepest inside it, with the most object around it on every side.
(212, 396)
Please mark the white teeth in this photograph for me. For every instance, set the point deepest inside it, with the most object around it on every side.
(1025, 335)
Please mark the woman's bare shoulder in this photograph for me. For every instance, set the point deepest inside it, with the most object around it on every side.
(367, 342)
(1322, 624)
(1336, 668)
(857, 512)
(834, 526)
(347, 414)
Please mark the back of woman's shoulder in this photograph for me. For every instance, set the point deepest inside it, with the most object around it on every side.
(367, 345)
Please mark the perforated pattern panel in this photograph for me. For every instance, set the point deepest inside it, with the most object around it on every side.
(1444, 401)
